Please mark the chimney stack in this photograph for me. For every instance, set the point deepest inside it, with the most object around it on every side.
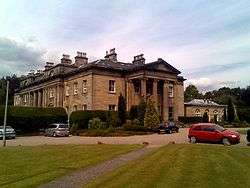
(81, 59)
(139, 60)
(66, 59)
(49, 65)
(112, 56)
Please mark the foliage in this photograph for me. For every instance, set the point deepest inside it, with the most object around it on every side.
(133, 113)
(82, 117)
(191, 92)
(205, 118)
(30, 119)
(248, 135)
(230, 111)
(96, 123)
(189, 120)
(133, 126)
(151, 119)
(141, 110)
(121, 109)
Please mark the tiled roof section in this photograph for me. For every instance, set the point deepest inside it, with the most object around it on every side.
(202, 102)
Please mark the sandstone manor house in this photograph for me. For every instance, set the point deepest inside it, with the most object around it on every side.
(83, 85)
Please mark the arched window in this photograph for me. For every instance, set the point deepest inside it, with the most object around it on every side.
(215, 111)
(197, 112)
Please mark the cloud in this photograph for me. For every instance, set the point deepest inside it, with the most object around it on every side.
(18, 58)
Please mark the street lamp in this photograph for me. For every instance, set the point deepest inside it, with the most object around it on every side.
(5, 115)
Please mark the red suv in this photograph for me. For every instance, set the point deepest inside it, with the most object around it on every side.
(208, 132)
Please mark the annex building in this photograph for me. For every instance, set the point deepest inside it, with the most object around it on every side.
(84, 85)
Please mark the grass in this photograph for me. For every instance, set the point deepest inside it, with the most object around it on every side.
(32, 166)
(183, 166)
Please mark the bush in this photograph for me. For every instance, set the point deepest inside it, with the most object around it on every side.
(121, 110)
(248, 135)
(189, 120)
(133, 126)
(151, 118)
(133, 113)
(96, 123)
(205, 118)
(31, 119)
(82, 117)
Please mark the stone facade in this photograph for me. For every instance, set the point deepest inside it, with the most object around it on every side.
(198, 107)
(97, 85)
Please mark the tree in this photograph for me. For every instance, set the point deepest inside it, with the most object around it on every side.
(151, 116)
(191, 92)
(133, 113)
(230, 111)
(141, 109)
(205, 118)
(121, 109)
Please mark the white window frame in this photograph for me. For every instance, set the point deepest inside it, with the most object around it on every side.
(75, 88)
(171, 90)
(51, 93)
(84, 86)
(112, 109)
(67, 88)
(110, 87)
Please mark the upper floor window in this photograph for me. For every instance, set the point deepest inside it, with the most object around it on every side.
(112, 86)
(84, 86)
(75, 88)
(51, 93)
(171, 90)
(25, 98)
(67, 90)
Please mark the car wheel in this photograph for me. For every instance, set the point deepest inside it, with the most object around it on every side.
(226, 142)
(193, 140)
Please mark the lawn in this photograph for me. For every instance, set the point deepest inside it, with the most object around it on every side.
(183, 166)
(32, 166)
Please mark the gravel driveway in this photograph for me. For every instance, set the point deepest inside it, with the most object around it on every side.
(153, 139)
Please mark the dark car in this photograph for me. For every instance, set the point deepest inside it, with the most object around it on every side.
(168, 128)
(57, 129)
(208, 132)
(10, 132)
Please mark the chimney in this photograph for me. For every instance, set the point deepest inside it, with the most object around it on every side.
(81, 59)
(112, 56)
(139, 60)
(66, 59)
(49, 65)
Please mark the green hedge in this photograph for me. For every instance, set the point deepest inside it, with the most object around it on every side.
(30, 119)
(244, 113)
(188, 120)
(81, 118)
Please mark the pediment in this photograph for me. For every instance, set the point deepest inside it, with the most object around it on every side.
(163, 66)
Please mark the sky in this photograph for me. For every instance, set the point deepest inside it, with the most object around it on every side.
(208, 41)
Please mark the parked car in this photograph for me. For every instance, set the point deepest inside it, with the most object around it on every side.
(57, 129)
(10, 132)
(248, 135)
(168, 128)
(208, 132)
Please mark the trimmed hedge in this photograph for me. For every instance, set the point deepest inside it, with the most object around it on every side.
(188, 120)
(31, 119)
(81, 118)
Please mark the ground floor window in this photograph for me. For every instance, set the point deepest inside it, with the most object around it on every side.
(84, 107)
(170, 112)
(75, 107)
(112, 107)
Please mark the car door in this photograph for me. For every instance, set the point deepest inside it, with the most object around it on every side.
(210, 134)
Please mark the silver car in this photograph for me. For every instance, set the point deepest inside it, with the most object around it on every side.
(57, 129)
(10, 132)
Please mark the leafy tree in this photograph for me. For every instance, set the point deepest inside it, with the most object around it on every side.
(151, 116)
(141, 110)
(205, 118)
(122, 109)
(191, 92)
(133, 113)
(230, 111)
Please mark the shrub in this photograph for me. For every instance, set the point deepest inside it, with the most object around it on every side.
(189, 120)
(96, 123)
(74, 128)
(205, 118)
(141, 110)
(121, 109)
(129, 126)
(151, 118)
(31, 119)
(133, 113)
(248, 135)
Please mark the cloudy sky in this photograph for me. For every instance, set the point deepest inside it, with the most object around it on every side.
(209, 41)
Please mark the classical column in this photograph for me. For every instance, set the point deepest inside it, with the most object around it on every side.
(165, 101)
(143, 88)
(35, 99)
(155, 95)
(39, 99)
(128, 92)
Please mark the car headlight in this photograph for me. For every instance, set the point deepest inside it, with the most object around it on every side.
(233, 136)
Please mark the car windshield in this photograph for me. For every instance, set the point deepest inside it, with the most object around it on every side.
(219, 128)
(63, 126)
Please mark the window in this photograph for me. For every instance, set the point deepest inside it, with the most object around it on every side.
(112, 86)
(75, 88)
(137, 87)
(84, 86)
(84, 107)
(75, 107)
(51, 93)
(171, 90)
(112, 107)
(67, 90)
(170, 113)
(25, 98)
(197, 112)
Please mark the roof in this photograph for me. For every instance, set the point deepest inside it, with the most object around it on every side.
(203, 102)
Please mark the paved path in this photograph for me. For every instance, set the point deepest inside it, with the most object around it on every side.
(82, 177)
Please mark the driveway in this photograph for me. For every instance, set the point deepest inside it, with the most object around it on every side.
(154, 140)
